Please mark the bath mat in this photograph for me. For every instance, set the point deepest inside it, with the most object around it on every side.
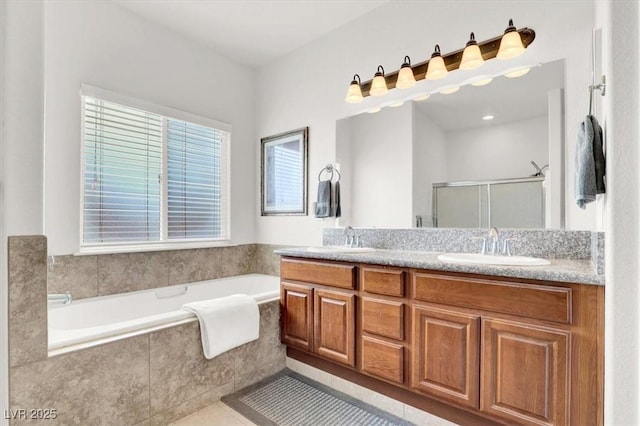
(289, 399)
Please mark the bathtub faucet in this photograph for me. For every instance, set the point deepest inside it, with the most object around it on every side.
(64, 298)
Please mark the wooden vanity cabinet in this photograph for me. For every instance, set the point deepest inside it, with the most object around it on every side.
(383, 325)
(492, 349)
(318, 308)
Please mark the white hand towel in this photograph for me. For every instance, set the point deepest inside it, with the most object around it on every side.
(226, 322)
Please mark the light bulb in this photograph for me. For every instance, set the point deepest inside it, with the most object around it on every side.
(379, 84)
(436, 68)
(471, 56)
(511, 43)
(354, 93)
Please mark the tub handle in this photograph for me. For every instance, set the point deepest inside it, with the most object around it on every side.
(172, 292)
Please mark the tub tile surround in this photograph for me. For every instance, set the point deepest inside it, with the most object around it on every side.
(150, 379)
(105, 274)
(27, 299)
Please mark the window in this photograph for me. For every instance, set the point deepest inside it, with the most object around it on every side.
(151, 178)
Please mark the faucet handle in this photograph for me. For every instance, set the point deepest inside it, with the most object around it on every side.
(506, 246)
(484, 244)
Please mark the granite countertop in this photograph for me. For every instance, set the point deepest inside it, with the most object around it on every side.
(562, 270)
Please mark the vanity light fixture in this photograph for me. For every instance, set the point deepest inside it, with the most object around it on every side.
(517, 73)
(436, 68)
(379, 83)
(482, 81)
(488, 117)
(354, 93)
(406, 78)
(450, 90)
(440, 64)
(511, 43)
(471, 56)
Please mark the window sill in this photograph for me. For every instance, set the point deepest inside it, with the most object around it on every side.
(140, 248)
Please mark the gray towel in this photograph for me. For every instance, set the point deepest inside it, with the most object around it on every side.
(323, 205)
(585, 178)
(598, 156)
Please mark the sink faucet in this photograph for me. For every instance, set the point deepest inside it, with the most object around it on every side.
(351, 238)
(493, 238)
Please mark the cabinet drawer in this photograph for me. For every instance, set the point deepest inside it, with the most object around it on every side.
(332, 274)
(383, 359)
(389, 282)
(382, 317)
(525, 300)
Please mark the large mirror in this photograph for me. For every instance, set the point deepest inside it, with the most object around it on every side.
(474, 158)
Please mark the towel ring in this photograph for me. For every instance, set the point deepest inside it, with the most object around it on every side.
(329, 168)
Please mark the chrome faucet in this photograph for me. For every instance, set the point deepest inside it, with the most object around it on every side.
(64, 298)
(351, 238)
(493, 238)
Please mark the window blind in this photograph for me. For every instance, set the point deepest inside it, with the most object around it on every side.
(122, 166)
(194, 187)
(150, 178)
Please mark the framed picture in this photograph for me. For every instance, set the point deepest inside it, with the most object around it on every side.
(283, 170)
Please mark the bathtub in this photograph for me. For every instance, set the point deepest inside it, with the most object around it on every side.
(103, 318)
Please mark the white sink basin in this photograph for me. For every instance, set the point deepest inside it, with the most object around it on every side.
(339, 249)
(488, 259)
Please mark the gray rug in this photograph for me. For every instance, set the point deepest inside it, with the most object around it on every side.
(289, 399)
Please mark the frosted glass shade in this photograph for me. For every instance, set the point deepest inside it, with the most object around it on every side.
(436, 69)
(405, 78)
(510, 46)
(471, 57)
(354, 94)
(378, 86)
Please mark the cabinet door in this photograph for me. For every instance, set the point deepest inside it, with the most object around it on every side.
(525, 372)
(296, 315)
(445, 354)
(334, 329)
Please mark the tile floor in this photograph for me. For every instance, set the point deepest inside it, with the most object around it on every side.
(215, 414)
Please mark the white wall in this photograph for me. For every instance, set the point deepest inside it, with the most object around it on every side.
(430, 164)
(307, 87)
(381, 153)
(620, 21)
(104, 45)
(21, 143)
(498, 152)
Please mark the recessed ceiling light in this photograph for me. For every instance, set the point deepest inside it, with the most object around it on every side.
(450, 90)
(488, 117)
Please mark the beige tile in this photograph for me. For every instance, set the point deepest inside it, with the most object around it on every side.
(75, 274)
(256, 374)
(188, 266)
(236, 260)
(266, 261)
(423, 418)
(106, 385)
(215, 414)
(179, 370)
(27, 299)
(191, 406)
(119, 273)
(245, 421)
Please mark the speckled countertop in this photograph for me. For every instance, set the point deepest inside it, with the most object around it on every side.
(563, 270)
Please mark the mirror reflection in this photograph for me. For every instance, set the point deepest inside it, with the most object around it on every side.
(484, 156)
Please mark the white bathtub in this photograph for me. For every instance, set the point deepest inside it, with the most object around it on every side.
(99, 318)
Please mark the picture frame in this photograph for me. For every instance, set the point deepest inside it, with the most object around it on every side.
(284, 174)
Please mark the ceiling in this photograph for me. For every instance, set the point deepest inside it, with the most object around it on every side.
(507, 99)
(252, 32)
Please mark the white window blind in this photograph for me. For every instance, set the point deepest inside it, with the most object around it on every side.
(150, 178)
